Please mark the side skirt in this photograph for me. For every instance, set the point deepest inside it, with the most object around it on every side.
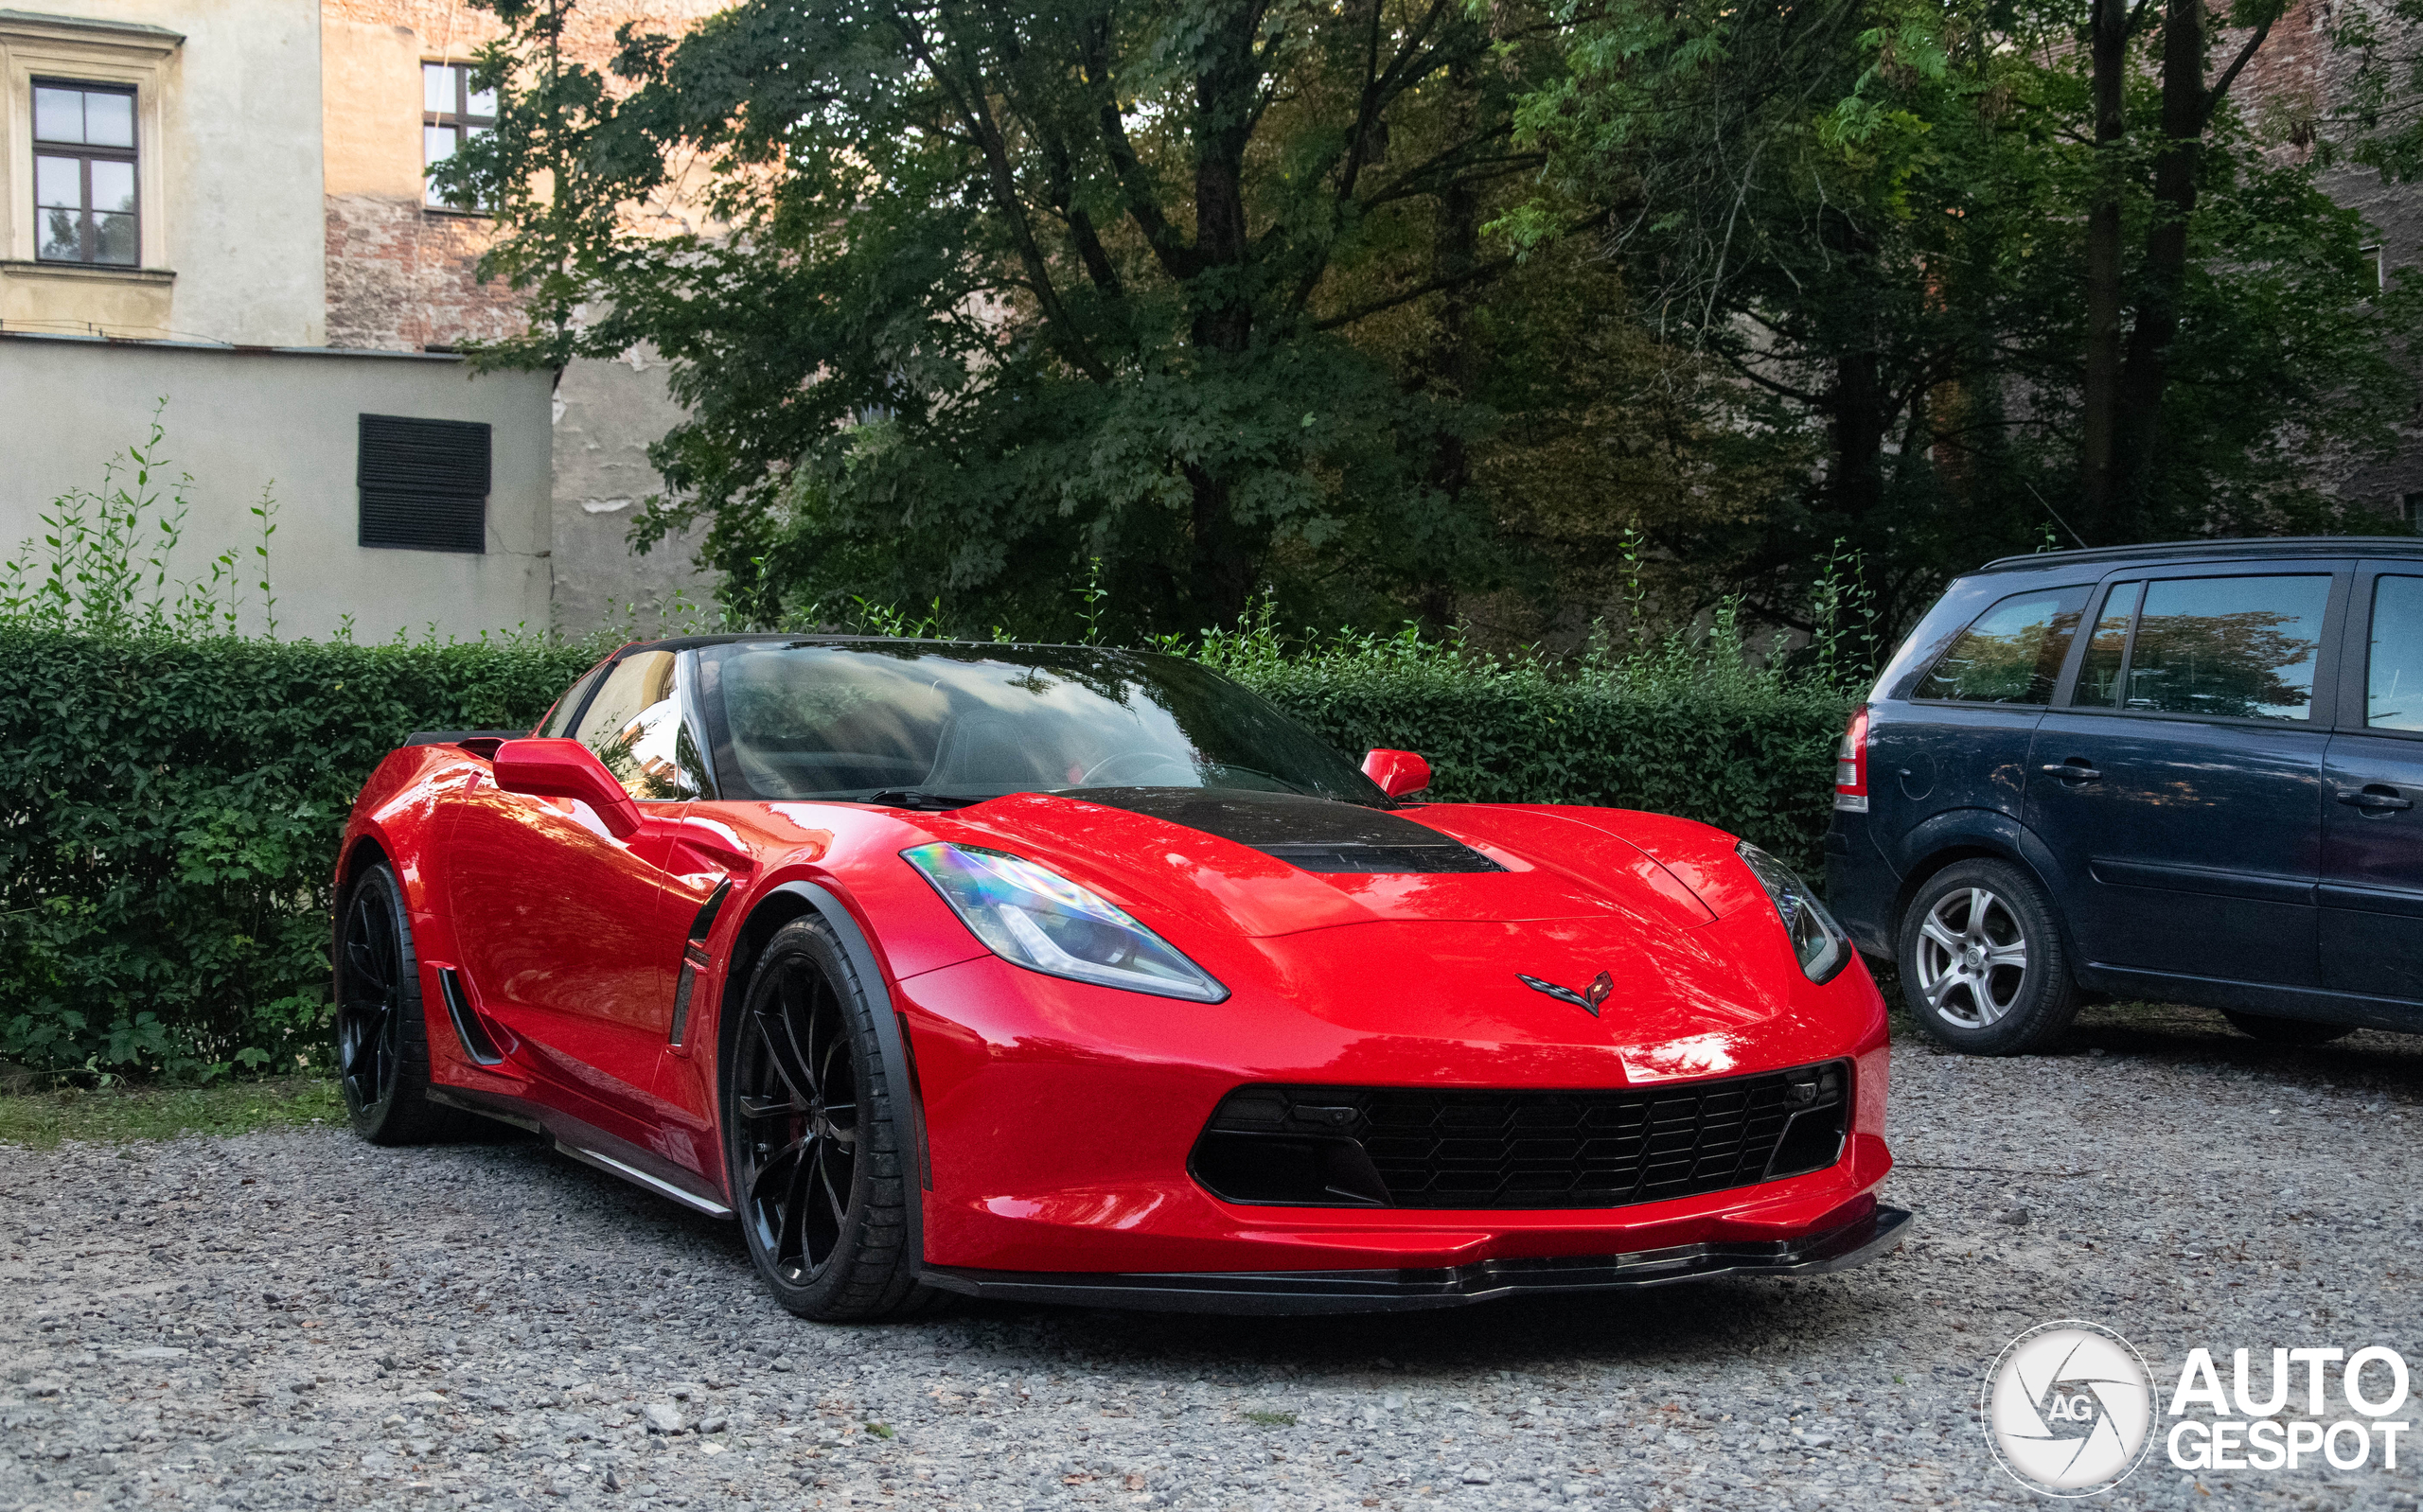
(590, 1145)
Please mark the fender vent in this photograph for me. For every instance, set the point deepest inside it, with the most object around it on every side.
(468, 1027)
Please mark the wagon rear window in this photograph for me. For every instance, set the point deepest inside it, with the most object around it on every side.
(2012, 654)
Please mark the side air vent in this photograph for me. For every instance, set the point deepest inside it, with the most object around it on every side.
(468, 1027)
(1408, 1146)
(695, 959)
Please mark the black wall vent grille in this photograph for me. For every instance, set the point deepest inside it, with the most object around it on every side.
(424, 483)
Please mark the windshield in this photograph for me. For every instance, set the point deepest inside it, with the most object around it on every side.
(923, 721)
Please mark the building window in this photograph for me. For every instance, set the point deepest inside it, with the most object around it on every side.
(424, 483)
(84, 209)
(2409, 511)
(452, 111)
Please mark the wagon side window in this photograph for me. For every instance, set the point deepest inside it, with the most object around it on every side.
(634, 725)
(2012, 654)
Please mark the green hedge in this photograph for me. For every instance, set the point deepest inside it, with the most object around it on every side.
(164, 865)
(172, 823)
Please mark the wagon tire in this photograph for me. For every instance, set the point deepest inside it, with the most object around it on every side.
(1985, 969)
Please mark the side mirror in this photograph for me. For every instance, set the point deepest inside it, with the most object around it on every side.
(1400, 773)
(566, 768)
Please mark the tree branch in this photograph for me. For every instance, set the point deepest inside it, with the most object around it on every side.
(1002, 182)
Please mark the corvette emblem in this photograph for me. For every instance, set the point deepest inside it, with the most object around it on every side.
(1587, 1000)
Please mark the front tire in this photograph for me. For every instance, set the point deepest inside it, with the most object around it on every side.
(2291, 1032)
(1983, 967)
(382, 1028)
(818, 1164)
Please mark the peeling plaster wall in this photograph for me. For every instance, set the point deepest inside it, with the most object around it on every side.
(607, 415)
(401, 277)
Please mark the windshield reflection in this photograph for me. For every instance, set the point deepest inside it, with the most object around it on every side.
(920, 722)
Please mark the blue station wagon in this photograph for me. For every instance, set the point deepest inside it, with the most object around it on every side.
(2184, 772)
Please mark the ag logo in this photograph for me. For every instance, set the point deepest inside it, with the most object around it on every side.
(2068, 1409)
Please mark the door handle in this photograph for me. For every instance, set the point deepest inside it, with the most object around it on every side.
(2376, 799)
(2075, 771)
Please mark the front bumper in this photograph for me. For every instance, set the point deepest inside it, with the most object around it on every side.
(1408, 1291)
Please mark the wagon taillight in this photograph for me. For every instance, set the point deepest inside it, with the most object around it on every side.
(1850, 765)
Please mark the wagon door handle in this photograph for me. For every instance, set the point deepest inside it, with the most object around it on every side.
(2075, 771)
(2376, 799)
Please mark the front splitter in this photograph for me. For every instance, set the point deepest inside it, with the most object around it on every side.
(1395, 1291)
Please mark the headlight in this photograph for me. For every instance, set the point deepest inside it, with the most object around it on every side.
(1820, 944)
(1046, 923)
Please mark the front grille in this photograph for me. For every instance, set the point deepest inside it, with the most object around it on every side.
(1408, 1146)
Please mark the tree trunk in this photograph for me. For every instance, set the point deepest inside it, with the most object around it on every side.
(1452, 361)
(1224, 558)
(2184, 110)
(2108, 51)
(1859, 423)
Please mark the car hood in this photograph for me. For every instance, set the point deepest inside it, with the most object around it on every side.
(1264, 865)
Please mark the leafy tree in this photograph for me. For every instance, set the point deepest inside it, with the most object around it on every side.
(985, 290)
(1879, 215)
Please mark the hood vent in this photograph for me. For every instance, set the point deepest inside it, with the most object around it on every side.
(1313, 834)
(1369, 860)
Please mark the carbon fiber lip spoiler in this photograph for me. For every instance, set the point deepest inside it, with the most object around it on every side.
(1276, 1293)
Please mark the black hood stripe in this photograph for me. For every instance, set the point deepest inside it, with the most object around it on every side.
(1314, 834)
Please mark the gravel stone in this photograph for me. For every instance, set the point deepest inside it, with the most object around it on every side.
(297, 1320)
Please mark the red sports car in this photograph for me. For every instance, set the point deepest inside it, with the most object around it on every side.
(1076, 974)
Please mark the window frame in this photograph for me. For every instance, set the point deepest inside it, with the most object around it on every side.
(2355, 645)
(85, 154)
(459, 120)
(2329, 658)
(2091, 592)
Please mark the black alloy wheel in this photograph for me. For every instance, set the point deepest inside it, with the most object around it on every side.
(381, 1031)
(2289, 1031)
(820, 1174)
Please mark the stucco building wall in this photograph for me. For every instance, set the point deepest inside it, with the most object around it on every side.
(228, 131)
(239, 421)
(401, 276)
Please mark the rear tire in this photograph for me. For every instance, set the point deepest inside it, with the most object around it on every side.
(381, 1027)
(1983, 967)
(813, 1138)
(2286, 1030)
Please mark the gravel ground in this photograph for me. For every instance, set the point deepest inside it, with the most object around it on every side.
(294, 1319)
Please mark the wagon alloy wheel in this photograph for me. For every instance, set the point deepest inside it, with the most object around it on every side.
(1972, 957)
(1984, 966)
(382, 1031)
(798, 1106)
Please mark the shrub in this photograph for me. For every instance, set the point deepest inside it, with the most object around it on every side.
(167, 855)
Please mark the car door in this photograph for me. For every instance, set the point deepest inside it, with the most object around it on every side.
(2372, 833)
(2179, 786)
(569, 937)
(1959, 740)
